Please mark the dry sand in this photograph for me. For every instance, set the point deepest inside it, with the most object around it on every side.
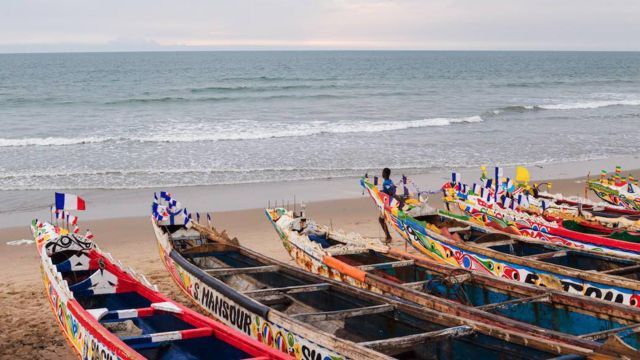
(29, 329)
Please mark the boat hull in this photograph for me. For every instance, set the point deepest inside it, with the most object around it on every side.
(554, 235)
(426, 239)
(86, 338)
(222, 303)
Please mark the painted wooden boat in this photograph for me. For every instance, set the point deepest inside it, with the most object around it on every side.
(107, 312)
(553, 229)
(313, 317)
(463, 242)
(369, 264)
(617, 190)
(601, 208)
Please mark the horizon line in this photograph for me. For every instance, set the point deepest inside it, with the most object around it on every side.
(309, 50)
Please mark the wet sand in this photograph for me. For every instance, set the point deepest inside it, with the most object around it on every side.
(29, 329)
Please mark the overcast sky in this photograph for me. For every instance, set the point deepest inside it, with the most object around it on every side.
(116, 25)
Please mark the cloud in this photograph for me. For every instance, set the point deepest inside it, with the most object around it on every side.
(78, 25)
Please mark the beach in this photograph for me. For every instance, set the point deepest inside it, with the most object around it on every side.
(33, 331)
(230, 133)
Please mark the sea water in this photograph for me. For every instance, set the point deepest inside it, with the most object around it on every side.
(135, 120)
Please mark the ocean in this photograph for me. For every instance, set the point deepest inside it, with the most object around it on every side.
(137, 120)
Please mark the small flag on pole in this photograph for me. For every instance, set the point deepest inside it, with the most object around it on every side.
(72, 219)
(209, 219)
(455, 178)
(618, 169)
(198, 217)
(88, 235)
(76, 229)
(69, 202)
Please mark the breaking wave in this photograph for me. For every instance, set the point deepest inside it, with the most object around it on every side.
(582, 105)
(252, 131)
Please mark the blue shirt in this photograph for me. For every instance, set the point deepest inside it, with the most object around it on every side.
(388, 187)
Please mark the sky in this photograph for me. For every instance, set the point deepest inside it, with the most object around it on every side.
(150, 25)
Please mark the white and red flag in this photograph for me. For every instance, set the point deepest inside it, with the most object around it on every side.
(72, 219)
(69, 202)
(76, 229)
(88, 235)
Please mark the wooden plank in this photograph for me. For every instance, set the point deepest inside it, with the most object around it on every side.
(243, 270)
(386, 265)
(504, 304)
(458, 229)
(621, 271)
(287, 290)
(497, 243)
(416, 284)
(398, 345)
(606, 333)
(343, 314)
(347, 251)
(548, 255)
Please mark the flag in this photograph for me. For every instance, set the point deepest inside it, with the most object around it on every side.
(474, 189)
(489, 183)
(497, 184)
(69, 202)
(76, 229)
(60, 214)
(209, 219)
(88, 235)
(603, 173)
(455, 178)
(73, 220)
(522, 175)
(618, 169)
(198, 217)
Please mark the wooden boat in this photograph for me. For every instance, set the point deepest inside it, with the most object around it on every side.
(617, 190)
(107, 312)
(554, 228)
(371, 265)
(599, 208)
(317, 318)
(462, 242)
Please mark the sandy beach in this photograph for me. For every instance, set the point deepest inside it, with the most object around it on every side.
(29, 327)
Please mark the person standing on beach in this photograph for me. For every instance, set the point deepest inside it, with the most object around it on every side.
(389, 188)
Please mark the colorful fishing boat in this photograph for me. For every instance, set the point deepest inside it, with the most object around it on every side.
(313, 317)
(369, 264)
(108, 312)
(560, 225)
(617, 190)
(462, 242)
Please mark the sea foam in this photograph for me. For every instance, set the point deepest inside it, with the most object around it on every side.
(248, 131)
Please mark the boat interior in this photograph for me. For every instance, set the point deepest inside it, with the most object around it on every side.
(457, 285)
(149, 324)
(350, 314)
(548, 253)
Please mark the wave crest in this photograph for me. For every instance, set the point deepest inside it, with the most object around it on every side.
(248, 132)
